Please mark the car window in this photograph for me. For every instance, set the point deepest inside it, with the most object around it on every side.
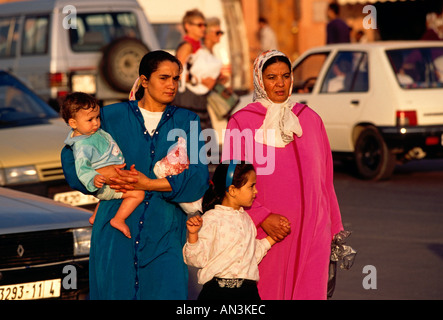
(306, 72)
(169, 35)
(35, 35)
(96, 30)
(19, 106)
(417, 68)
(8, 36)
(348, 72)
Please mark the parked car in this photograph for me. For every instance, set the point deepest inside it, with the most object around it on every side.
(59, 46)
(44, 248)
(381, 103)
(32, 136)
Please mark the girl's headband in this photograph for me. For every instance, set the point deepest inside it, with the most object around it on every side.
(230, 173)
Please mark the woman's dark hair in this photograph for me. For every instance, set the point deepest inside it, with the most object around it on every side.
(275, 59)
(217, 188)
(150, 63)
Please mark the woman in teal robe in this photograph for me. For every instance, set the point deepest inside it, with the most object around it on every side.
(150, 264)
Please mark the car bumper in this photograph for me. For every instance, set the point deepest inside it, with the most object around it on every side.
(74, 284)
(404, 139)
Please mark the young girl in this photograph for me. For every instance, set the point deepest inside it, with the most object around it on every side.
(223, 242)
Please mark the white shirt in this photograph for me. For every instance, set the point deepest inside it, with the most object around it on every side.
(227, 246)
(268, 39)
(151, 119)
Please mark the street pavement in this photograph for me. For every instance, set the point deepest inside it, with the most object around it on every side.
(397, 230)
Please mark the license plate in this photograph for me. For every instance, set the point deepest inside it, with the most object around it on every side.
(31, 290)
(75, 198)
(84, 83)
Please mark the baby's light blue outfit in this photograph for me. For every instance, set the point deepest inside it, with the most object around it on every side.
(94, 152)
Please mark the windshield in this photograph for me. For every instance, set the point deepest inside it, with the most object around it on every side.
(418, 68)
(19, 106)
(96, 30)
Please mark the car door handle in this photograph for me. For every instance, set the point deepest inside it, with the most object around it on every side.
(355, 102)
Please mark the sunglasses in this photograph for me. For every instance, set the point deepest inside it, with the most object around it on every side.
(219, 33)
(200, 25)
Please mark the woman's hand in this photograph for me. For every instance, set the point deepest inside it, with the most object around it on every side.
(276, 226)
(127, 179)
(133, 179)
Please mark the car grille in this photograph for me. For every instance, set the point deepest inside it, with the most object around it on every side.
(33, 248)
(51, 172)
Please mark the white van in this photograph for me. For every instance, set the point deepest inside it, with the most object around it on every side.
(233, 49)
(59, 46)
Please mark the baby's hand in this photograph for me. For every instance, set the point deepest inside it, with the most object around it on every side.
(194, 224)
(99, 181)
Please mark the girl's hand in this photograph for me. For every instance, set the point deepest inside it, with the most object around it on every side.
(194, 224)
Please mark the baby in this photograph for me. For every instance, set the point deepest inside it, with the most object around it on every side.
(95, 154)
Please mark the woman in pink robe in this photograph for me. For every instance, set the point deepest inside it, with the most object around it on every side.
(294, 180)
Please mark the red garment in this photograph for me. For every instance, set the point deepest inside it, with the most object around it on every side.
(196, 44)
(299, 187)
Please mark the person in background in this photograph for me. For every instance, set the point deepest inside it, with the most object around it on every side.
(212, 38)
(267, 37)
(337, 31)
(299, 187)
(195, 84)
(434, 27)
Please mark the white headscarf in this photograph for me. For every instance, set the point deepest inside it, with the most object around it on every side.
(280, 122)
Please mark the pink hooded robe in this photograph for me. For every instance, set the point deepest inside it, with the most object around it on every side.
(295, 181)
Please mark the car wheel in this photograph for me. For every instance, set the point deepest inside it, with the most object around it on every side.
(121, 61)
(373, 159)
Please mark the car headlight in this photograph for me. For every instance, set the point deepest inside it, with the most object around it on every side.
(18, 175)
(82, 241)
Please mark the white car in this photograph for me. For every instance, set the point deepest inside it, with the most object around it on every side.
(61, 46)
(381, 103)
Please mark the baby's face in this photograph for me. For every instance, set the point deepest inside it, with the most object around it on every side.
(86, 122)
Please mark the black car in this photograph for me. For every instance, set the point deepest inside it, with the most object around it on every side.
(44, 248)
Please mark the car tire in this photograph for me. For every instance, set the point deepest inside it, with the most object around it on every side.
(373, 159)
(121, 60)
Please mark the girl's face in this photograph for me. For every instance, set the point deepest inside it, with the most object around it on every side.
(85, 121)
(245, 195)
(162, 86)
(277, 81)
